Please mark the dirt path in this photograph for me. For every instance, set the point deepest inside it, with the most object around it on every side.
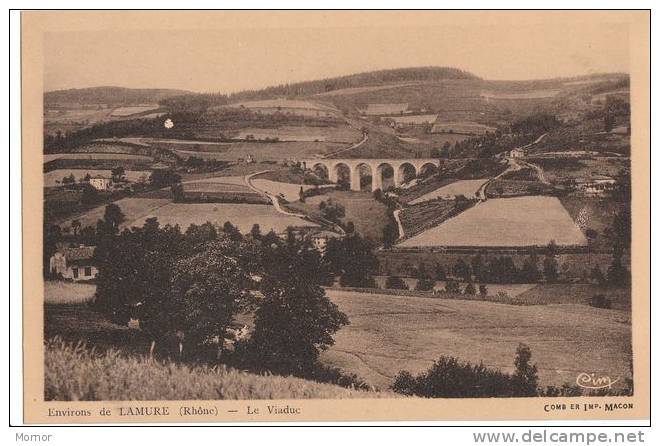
(273, 199)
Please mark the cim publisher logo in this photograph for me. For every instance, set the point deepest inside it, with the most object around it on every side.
(593, 381)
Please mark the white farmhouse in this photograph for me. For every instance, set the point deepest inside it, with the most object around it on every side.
(101, 183)
(74, 263)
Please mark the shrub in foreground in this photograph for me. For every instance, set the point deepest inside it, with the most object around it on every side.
(451, 378)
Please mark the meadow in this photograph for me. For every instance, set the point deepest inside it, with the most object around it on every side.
(520, 221)
(467, 188)
(388, 334)
(244, 216)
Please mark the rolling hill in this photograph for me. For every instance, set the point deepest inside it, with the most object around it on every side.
(109, 95)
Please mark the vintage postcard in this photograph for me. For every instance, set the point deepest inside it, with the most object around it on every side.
(335, 216)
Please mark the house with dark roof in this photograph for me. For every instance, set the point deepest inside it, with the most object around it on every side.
(75, 263)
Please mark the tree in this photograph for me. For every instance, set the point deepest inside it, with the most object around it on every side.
(525, 376)
(301, 195)
(178, 194)
(530, 271)
(421, 271)
(89, 195)
(295, 320)
(390, 231)
(70, 179)
(462, 270)
(452, 286)
(440, 273)
(52, 235)
(483, 290)
(208, 289)
(113, 217)
(353, 259)
(117, 174)
(424, 284)
(470, 289)
(478, 266)
(255, 232)
(395, 283)
(617, 274)
(231, 231)
(197, 235)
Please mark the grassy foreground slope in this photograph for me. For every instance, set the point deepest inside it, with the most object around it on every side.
(74, 373)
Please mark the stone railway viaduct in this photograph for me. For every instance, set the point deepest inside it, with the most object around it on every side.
(354, 168)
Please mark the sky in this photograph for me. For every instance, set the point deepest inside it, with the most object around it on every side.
(230, 60)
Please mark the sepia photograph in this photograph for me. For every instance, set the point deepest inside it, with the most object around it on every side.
(431, 210)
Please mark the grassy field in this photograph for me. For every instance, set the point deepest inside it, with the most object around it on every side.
(74, 373)
(367, 214)
(56, 292)
(133, 209)
(244, 216)
(390, 333)
(468, 188)
(521, 221)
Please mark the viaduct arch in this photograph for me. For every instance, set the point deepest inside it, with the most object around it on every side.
(352, 167)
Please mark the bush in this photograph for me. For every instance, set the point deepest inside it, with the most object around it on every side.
(452, 287)
(470, 289)
(483, 291)
(395, 283)
(450, 378)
